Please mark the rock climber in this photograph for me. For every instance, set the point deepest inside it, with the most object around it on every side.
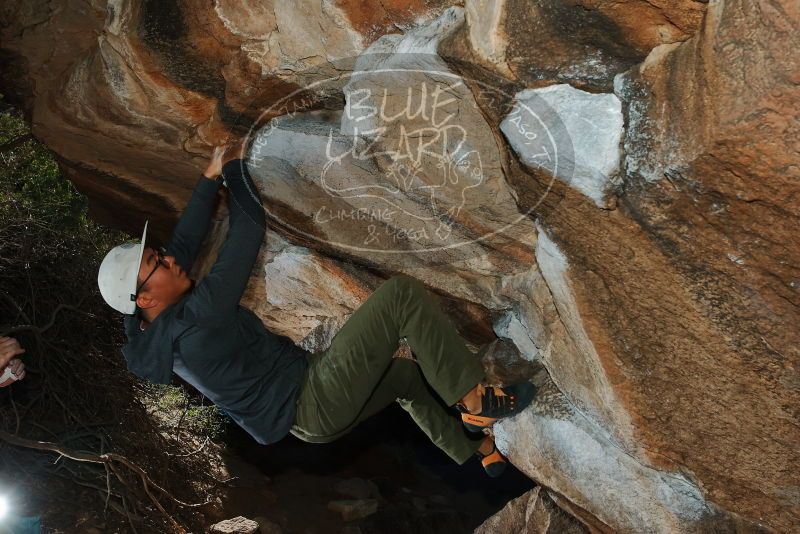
(264, 382)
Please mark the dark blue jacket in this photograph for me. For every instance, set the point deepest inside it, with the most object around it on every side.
(219, 347)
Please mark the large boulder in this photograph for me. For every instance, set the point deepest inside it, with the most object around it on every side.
(611, 187)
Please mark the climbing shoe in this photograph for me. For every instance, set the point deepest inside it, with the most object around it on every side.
(497, 403)
(493, 463)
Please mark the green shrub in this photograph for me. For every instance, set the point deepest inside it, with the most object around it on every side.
(77, 391)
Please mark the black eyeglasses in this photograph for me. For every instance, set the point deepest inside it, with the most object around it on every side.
(160, 254)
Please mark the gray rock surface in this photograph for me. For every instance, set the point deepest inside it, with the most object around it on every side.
(357, 488)
(265, 526)
(236, 525)
(594, 128)
(354, 509)
(532, 513)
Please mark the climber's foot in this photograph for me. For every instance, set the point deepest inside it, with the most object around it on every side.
(497, 403)
(493, 462)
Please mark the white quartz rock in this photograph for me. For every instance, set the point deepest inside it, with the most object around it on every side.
(591, 123)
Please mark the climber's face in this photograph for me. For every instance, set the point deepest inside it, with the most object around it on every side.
(161, 281)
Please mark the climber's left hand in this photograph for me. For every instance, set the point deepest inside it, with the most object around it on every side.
(222, 154)
(215, 164)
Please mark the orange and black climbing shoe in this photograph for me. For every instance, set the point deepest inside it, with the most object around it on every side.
(493, 463)
(497, 403)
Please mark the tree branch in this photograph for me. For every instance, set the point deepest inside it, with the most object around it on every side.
(106, 459)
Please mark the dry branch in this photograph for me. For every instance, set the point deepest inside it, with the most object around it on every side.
(107, 460)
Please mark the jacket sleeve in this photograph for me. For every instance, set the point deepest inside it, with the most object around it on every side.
(193, 224)
(214, 300)
(148, 355)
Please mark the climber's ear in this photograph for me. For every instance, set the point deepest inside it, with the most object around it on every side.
(145, 300)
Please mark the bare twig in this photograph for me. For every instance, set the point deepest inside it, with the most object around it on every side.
(186, 455)
(106, 459)
(180, 420)
(108, 485)
(16, 306)
(42, 329)
(16, 412)
(130, 520)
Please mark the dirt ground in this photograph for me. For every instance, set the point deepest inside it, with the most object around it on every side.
(421, 489)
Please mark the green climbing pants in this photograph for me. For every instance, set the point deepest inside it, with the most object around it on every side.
(357, 376)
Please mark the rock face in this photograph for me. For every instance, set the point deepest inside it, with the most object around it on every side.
(237, 525)
(532, 513)
(610, 187)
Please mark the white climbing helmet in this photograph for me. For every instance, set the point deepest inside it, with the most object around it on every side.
(119, 273)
